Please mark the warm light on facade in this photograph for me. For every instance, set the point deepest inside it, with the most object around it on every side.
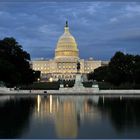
(38, 79)
(51, 79)
(65, 60)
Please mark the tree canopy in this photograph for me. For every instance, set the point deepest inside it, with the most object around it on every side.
(15, 68)
(122, 68)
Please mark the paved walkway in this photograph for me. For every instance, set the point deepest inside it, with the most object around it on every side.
(69, 91)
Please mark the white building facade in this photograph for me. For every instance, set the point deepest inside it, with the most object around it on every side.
(64, 64)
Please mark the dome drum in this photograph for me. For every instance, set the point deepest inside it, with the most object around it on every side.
(66, 53)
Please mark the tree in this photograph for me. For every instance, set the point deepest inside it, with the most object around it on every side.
(99, 74)
(122, 69)
(136, 69)
(15, 68)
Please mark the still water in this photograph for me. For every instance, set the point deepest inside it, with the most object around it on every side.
(69, 117)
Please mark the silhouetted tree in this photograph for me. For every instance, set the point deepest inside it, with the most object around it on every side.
(99, 74)
(14, 63)
(117, 69)
(121, 69)
(136, 69)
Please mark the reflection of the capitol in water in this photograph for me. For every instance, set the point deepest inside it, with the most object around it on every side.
(67, 112)
(66, 116)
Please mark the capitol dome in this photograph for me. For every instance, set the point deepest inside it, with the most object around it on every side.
(66, 45)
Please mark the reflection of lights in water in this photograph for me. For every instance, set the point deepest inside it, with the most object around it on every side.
(90, 110)
(66, 120)
(103, 100)
(4, 98)
(38, 102)
(120, 97)
(50, 103)
(57, 103)
(95, 99)
(67, 112)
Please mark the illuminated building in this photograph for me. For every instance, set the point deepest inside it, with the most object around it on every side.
(64, 64)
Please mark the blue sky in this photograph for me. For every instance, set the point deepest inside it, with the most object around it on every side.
(100, 28)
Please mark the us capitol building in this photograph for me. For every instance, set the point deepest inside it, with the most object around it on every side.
(64, 64)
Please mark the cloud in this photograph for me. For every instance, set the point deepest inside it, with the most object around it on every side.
(114, 19)
(50, 30)
(133, 8)
(91, 9)
(100, 28)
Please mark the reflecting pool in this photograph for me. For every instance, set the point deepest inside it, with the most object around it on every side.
(69, 117)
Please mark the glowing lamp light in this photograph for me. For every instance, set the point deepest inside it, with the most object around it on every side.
(51, 79)
(38, 79)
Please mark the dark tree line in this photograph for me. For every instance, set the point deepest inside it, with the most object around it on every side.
(15, 66)
(121, 69)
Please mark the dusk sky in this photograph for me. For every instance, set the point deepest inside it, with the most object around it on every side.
(100, 28)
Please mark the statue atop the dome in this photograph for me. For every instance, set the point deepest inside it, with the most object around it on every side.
(78, 67)
(66, 23)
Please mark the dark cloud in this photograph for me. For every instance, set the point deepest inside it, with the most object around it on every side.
(100, 28)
